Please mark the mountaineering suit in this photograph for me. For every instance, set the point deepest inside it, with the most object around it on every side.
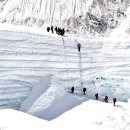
(72, 90)
(79, 46)
(114, 101)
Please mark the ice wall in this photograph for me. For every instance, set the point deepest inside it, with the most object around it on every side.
(76, 16)
(26, 58)
(124, 29)
(39, 12)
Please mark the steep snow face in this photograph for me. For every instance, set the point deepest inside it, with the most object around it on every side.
(2, 4)
(102, 66)
(38, 90)
(124, 29)
(76, 16)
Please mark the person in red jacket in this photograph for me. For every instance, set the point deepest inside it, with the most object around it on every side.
(78, 46)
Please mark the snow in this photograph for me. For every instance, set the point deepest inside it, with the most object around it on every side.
(38, 89)
(69, 14)
(14, 120)
(124, 29)
(89, 115)
(28, 55)
(50, 99)
(38, 70)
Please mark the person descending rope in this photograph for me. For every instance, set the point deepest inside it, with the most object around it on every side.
(114, 101)
(84, 90)
(106, 99)
(78, 46)
(96, 95)
(72, 90)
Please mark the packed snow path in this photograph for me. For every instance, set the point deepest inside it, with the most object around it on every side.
(26, 57)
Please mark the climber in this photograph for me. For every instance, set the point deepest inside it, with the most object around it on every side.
(78, 46)
(48, 29)
(106, 99)
(52, 29)
(84, 90)
(114, 101)
(72, 90)
(62, 32)
(56, 29)
(96, 95)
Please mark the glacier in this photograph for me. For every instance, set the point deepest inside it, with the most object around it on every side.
(26, 58)
(76, 16)
(102, 116)
(28, 54)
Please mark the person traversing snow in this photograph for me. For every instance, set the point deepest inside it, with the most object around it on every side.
(62, 31)
(48, 29)
(114, 101)
(96, 95)
(106, 99)
(84, 90)
(72, 90)
(52, 29)
(78, 46)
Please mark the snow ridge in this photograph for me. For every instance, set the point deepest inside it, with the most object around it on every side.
(26, 58)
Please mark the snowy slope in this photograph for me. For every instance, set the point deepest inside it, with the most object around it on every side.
(124, 29)
(96, 115)
(38, 90)
(89, 115)
(14, 120)
(76, 16)
(38, 68)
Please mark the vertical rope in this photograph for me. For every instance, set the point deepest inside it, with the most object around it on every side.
(65, 60)
(80, 71)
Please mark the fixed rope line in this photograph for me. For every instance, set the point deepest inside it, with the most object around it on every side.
(80, 72)
(65, 60)
(80, 68)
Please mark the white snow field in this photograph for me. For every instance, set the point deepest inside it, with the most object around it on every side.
(89, 115)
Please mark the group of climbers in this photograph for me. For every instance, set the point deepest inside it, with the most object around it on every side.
(84, 90)
(50, 29)
(96, 95)
(58, 30)
(61, 32)
(106, 99)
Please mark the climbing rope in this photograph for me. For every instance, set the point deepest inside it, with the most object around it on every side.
(66, 61)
